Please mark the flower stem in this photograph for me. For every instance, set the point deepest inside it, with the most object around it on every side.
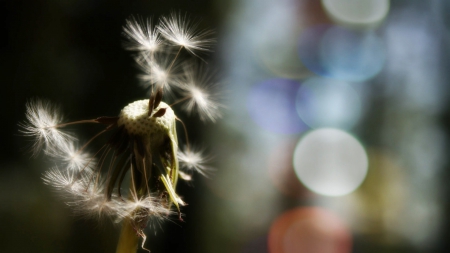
(128, 241)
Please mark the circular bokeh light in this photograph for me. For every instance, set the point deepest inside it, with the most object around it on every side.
(323, 102)
(330, 162)
(309, 230)
(351, 56)
(271, 105)
(279, 56)
(309, 48)
(357, 13)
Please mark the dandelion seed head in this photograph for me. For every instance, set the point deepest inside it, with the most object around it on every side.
(134, 117)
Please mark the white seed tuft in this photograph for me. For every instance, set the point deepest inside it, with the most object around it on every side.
(159, 71)
(42, 119)
(193, 160)
(182, 31)
(70, 154)
(199, 88)
(142, 36)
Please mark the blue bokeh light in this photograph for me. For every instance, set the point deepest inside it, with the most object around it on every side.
(323, 102)
(309, 48)
(271, 104)
(339, 53)
(351, 56)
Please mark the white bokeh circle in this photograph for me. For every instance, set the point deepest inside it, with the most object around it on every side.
(357, 13)
(330, 162)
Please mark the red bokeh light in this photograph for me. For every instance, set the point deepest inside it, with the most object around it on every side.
(309, 230)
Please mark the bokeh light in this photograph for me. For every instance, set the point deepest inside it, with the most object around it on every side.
(339, 53)
(357, 13)
(309, 48)
(309, 230)
(280, 57)
(271, 105)
(277, 44)
(323, 102)
(351, 56)
(330, 162)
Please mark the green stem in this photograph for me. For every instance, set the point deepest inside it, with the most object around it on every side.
(128, 241)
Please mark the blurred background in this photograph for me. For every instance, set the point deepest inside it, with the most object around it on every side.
(335, 136)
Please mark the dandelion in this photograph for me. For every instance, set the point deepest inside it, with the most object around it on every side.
(142, 146)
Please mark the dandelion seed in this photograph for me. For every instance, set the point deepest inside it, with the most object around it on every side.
(193, 160)
(181, 31)
(58, 179)
(142, 35)
(159, 71)
(76, 190)
(42, 117)
(70, 154)
(90, 200)
(197, 88)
